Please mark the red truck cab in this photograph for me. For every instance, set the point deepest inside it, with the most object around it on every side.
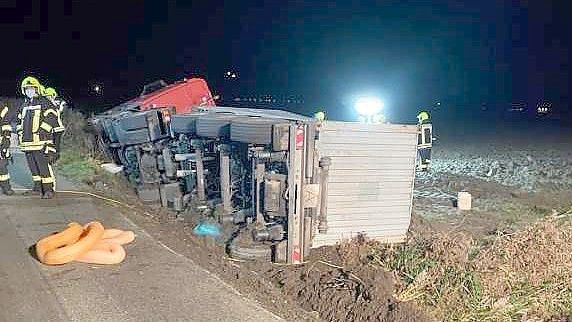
(182, 95)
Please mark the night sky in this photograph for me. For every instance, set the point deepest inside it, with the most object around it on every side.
(410, 53)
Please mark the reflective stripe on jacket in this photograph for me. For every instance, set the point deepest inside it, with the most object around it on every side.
(39, 119)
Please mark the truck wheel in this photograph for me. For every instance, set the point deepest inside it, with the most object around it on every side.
(250, 252)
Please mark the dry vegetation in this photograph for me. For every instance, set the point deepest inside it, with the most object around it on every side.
(523, 276)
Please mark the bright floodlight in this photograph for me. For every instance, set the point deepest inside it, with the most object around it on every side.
(368, 106)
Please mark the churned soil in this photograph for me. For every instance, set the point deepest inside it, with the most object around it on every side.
(352, 291)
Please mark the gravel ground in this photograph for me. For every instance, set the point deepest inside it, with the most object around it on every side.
(529, 170)
(526, 155)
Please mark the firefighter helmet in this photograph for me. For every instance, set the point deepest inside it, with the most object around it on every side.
(50, 92)
(31, 81)
(320, 116)
(423, 117)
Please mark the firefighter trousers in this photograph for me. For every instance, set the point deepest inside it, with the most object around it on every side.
(42, 172)
(4, 175)
(425, 156)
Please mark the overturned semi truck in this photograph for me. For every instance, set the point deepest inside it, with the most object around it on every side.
(287, 182)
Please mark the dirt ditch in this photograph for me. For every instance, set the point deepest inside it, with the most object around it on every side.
(352, 290)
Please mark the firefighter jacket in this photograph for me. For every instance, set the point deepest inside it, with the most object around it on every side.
(7, 117)
(425, 136)
(39, 121)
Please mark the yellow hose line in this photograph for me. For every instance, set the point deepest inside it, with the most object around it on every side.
(85, 193)
(97, 197)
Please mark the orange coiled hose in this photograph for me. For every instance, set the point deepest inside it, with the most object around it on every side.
(89, 244)
(91, 235)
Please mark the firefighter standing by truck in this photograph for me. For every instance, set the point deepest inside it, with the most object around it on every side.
(424, 140)
(61, 105)
(8, 115)
(51, 94)
(40, 132)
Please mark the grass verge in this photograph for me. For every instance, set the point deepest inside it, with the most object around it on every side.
(78, 167)
(523, 276)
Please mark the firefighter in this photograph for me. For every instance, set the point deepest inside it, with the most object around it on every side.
(40, 132)
(51, 94)
(8, 115)
(424, 140)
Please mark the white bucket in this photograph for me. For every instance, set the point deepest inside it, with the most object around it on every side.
(112, 167)
(464, 200)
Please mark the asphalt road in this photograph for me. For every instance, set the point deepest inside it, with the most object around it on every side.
(153, 283)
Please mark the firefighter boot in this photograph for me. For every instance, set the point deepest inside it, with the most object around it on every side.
(48, 191)
(50, 194)
(6, 188)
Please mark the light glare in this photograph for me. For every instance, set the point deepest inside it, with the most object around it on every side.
(368, 106)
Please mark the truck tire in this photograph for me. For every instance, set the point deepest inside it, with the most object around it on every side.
(262, 252)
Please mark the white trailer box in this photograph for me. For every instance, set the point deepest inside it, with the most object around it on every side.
(370, 183)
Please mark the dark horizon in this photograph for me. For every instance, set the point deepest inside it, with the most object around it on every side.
(411, 54)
